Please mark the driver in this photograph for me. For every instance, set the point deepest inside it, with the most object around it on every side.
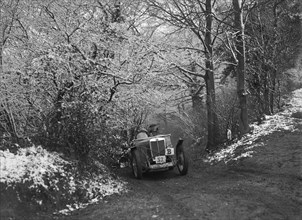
(153, 130)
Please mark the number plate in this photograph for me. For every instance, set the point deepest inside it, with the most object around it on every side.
(169, 151)
(160, 159)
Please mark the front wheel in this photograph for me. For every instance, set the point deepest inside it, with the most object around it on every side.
(136, 164)
(182, 162)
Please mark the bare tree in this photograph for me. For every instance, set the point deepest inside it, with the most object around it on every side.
(8, 19)
(196, 16)
(273, 30)
(8, 13)
(240, 55)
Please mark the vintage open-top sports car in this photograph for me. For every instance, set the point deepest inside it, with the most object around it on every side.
(156, 153)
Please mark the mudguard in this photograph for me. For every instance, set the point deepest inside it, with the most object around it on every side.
(179, 143)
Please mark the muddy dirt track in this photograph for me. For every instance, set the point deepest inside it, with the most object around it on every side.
(266, 186)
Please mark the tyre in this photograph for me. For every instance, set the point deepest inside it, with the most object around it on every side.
(136, 164)
(182, 162)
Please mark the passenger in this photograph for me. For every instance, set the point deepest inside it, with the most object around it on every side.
(142, 134)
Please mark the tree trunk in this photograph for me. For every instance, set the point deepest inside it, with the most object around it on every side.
(1, 60)
(196, 103)
(195, 91)
(273, 90)
(274, 71)
(212, 123)
(240, 53)
(266, 93)
(1, 50)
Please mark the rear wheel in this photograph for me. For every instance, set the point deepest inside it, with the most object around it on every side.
(182, 162)
(136, 164)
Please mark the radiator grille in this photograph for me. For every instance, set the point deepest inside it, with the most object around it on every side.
(157, 147)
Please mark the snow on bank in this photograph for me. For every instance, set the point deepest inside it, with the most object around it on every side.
(244, 147)
(296, 101)
(29, 164)
(38, 168)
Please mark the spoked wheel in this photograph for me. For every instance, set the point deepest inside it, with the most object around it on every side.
(182, 162)
(136, 164)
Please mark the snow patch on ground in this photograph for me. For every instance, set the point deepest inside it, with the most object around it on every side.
(29, 164)
(245, 146)
(296, 101)
(39, 168)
